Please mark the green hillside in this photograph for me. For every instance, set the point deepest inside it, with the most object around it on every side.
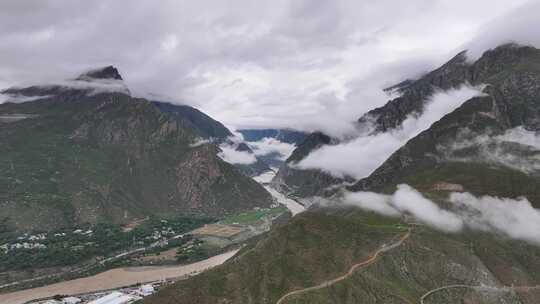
(83, 158)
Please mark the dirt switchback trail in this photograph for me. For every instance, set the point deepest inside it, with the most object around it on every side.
(480, 288)
(351, 271)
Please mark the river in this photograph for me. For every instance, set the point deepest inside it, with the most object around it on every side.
(114, 278)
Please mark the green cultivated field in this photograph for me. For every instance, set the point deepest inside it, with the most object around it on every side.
(253, 216)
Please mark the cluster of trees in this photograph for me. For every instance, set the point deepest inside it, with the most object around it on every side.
(105, 240)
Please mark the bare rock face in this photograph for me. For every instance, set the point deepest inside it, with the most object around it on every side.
(198, 172)
(108, 72)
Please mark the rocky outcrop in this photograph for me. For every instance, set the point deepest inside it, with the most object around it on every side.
(108, 72)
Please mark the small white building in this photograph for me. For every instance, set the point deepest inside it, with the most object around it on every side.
(116, 298)
(145, 290)
(71, 300)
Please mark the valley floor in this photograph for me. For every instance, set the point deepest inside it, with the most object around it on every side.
(114, 278)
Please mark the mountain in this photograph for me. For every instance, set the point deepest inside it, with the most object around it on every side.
(316, 251)
(283, 135)
(301, 182)
(205, 126)
(208, 128)
(108, 72)
(341, 254)
(84, 152)
(510, 73)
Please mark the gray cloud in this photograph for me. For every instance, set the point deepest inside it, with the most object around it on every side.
(519, 25)
(302, 64)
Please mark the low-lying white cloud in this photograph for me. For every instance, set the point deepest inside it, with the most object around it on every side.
(406, 200)
(495, 149)
(372, 201)
(269, 145)
(521, 136)
(19, 98)
(514, 218)
(97, 86)
(92, 87)
(199, 142)
(231, 155)
(361, 156)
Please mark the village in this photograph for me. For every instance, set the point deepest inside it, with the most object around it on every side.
(149, 242)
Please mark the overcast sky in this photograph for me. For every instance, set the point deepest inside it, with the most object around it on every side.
(301, 64)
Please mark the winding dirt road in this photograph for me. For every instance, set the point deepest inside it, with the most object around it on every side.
(351, 271)
(479, 288)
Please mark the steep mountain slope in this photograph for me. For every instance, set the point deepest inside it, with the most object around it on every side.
(512, 100)
(300, 182)
(85, 156)
(204, 125)
(208, 128)
(508, 70)
(318, 248)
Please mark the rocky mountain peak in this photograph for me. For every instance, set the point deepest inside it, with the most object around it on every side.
(108, 72)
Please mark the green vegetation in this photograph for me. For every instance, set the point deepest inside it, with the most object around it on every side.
(65, 247)
(110, 158)
(480, 179)
(195, 250)
(321, 245)
(253, 216)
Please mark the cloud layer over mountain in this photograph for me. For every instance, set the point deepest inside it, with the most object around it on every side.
(514, 218)
(517, 149)
(359, 157)
(312, 65)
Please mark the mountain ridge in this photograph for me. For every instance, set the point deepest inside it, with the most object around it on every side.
(109, 156)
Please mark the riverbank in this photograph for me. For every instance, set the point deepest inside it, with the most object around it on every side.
(115, 278)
